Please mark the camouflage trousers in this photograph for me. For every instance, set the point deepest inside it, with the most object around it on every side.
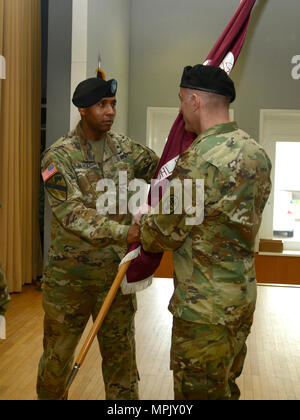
(207, 359)
(67, 310)
(4, 295)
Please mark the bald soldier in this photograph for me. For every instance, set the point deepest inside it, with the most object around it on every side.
(87, 244)
(215, 286)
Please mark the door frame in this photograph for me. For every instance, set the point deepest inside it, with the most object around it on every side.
(275, 125)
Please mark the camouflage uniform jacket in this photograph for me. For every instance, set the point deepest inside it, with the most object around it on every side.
(214, 261)
(82, 239)
(4, 295)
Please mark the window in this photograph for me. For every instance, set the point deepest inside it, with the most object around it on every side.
(280, 137)
(286, 215)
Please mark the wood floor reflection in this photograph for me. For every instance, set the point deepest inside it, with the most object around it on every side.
(271, 372)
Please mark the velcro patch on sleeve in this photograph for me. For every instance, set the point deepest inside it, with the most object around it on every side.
(57, 187)
(50, 171)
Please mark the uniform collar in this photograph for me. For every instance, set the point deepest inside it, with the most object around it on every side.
(109, 149)
(216, 130)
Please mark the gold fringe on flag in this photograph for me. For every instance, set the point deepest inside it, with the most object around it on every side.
(99, 71)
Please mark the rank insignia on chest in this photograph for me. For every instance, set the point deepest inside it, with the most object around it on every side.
(57, 187)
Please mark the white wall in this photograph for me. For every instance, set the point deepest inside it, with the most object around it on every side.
(167, 35)
(79, 52)
(145, 44)
(102, 26)
(109, 34)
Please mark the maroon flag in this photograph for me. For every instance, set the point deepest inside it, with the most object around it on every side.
(224, 54)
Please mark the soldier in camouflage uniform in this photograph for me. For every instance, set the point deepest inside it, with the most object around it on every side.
(215, 285)
(86, 247)
(4, 295)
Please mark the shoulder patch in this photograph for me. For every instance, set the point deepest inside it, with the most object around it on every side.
(50, 171)
(57, 187)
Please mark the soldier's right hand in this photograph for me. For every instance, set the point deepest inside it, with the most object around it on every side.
(144, 209)
(133, 234)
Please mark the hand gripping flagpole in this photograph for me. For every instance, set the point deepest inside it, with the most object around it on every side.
(97, 324)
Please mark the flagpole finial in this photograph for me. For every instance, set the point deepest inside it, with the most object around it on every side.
(99, 71)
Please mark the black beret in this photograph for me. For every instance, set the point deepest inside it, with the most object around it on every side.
(92, 90)
(209, 79)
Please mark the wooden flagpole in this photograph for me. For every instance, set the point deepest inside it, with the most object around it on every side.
(97, 324)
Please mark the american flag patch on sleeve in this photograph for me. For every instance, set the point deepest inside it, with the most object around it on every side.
(51, 170)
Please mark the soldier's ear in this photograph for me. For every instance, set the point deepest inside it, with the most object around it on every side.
(82, 111)
(195, 101)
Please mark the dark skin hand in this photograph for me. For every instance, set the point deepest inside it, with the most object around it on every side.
(133, 234)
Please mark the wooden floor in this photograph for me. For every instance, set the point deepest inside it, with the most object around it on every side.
(271, 372)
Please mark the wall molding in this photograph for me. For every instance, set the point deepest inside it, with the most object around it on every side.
(79, 52)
